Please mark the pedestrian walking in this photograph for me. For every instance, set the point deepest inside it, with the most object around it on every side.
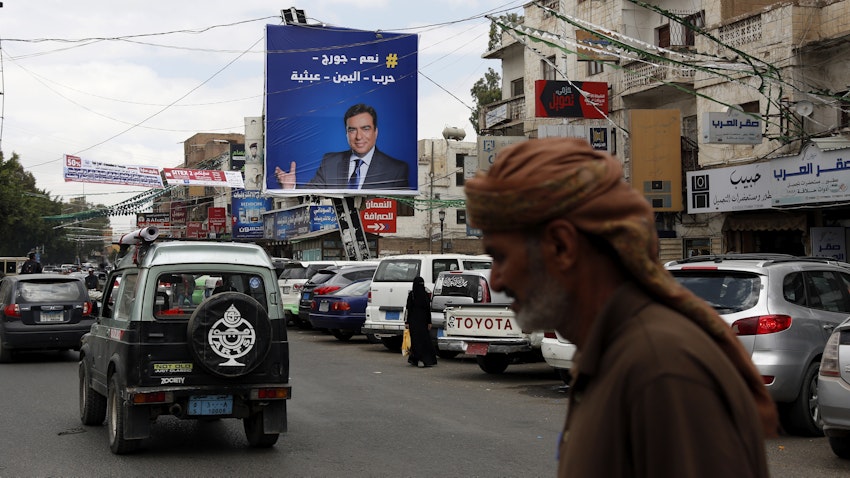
(419, 324)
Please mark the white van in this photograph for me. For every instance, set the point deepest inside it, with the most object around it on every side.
(292, 279)
(393, 280)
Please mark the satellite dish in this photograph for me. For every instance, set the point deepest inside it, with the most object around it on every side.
(803, 108)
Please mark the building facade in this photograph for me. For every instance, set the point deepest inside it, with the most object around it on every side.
(732, 117)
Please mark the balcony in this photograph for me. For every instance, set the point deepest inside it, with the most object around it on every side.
(639, 77)
(501, 118)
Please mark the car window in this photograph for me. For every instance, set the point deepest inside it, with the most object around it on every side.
(355, 288)
(441, 265)
(294, 272)
(126, 296)
(476, 265)
(793, 289)
(462, 285)
(397, 270)
(726, 291)
(179, 293)
(826, 291)
(40, 291)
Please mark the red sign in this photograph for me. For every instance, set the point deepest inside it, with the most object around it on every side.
(378, 217)
(178, 212)
(217, 219)
(195, 230)
(570, 99)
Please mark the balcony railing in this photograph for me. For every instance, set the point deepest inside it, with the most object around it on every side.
(501, 112)
(640, 75)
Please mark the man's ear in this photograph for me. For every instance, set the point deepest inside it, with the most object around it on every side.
(560, 244)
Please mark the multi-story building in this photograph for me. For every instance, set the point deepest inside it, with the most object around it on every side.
(731, 116)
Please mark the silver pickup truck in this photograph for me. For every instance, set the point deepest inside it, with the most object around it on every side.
(481, 323)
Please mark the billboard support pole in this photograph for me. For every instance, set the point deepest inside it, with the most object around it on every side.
(351, 229)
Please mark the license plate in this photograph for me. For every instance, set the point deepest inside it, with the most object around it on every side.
(441, 332)
(286, 289)
(323, 306)
(477, 348)
(51, 316)
(210, 405)
(392, 315)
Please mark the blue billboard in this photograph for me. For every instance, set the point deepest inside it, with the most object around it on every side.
(248, 208)
(341, 111)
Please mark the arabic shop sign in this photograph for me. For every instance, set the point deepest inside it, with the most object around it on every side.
(733, 127)
(813, 176)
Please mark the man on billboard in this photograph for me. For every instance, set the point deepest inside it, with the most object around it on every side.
(362, 166)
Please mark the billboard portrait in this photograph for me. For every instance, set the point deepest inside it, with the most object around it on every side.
(341, 111)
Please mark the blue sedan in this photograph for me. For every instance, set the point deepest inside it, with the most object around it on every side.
(343, 311)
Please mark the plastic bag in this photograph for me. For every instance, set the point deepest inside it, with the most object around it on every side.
(405, 343)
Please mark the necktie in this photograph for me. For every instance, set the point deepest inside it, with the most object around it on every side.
(354, 180)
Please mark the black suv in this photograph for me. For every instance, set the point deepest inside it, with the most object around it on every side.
(158, 349)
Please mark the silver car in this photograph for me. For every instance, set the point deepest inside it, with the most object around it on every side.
(783, 309)
(834, 390)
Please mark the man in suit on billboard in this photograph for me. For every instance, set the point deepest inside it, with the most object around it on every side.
(361, 167)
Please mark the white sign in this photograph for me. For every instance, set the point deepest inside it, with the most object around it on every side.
(829, 242)
(88, 171)
(732, 127)
(810, 177)
(489, 147)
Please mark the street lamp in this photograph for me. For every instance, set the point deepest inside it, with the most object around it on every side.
(442, 215)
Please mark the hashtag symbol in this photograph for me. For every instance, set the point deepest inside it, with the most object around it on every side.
(392, 60)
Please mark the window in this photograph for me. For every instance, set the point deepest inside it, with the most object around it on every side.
(825, 291)
(594, 67)
(461, 216)
(126, 296)
(404, 209)
(547, 68)
(460, 159)
(518, 87)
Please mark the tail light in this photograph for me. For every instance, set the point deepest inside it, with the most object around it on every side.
(550, 335)
(761, 325)
(12, 311)
(297, 287)
(341, 305)
(483, 290)
(87, 308)
(829, 361)
(369, 297)
(313, 305)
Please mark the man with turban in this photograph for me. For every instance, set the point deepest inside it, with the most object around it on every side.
(661, 386)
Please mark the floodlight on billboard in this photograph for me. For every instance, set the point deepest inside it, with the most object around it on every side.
(329, 93)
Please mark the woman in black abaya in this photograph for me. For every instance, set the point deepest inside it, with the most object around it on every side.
(419, 323)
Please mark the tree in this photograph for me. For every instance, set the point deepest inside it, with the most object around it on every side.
(22, 206)
(485, 91)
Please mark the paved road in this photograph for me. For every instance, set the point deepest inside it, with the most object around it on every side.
(357, 410)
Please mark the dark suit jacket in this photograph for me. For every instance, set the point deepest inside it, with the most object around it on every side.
(385, 172)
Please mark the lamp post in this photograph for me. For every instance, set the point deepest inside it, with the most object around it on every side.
(442, 215)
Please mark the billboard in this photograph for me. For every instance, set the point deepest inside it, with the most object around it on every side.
(341, 111)
(570, 99)
(248, 208)
(87, 171)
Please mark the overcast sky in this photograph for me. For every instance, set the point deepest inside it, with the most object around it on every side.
(127, 82)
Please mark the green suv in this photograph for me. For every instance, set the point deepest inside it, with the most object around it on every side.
(154, 350)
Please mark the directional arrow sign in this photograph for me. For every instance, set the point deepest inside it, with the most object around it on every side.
(379, 216)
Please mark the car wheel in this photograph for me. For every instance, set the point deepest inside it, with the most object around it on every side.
(840, 446)
(255, 432)
(229, 334)
(342, 335)
(115, 420)
(802, 416)
(447, 354)
(92, 404)
(493, 363)
(392, 343)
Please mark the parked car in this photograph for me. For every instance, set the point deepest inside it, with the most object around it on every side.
(42, 312)
(290, 280)
(834, 390)
(393, 280)
(558, 352)
(783, 309)
(341, 311)
(457, 288)
(150, 354)
(328, 280)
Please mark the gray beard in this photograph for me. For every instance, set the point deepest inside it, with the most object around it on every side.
(546, 305)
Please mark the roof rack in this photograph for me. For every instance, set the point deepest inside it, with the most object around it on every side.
(770, 258)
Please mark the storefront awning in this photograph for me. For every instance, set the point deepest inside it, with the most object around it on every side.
(765, 222)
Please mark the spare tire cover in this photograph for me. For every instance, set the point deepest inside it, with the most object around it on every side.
(229, 334)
